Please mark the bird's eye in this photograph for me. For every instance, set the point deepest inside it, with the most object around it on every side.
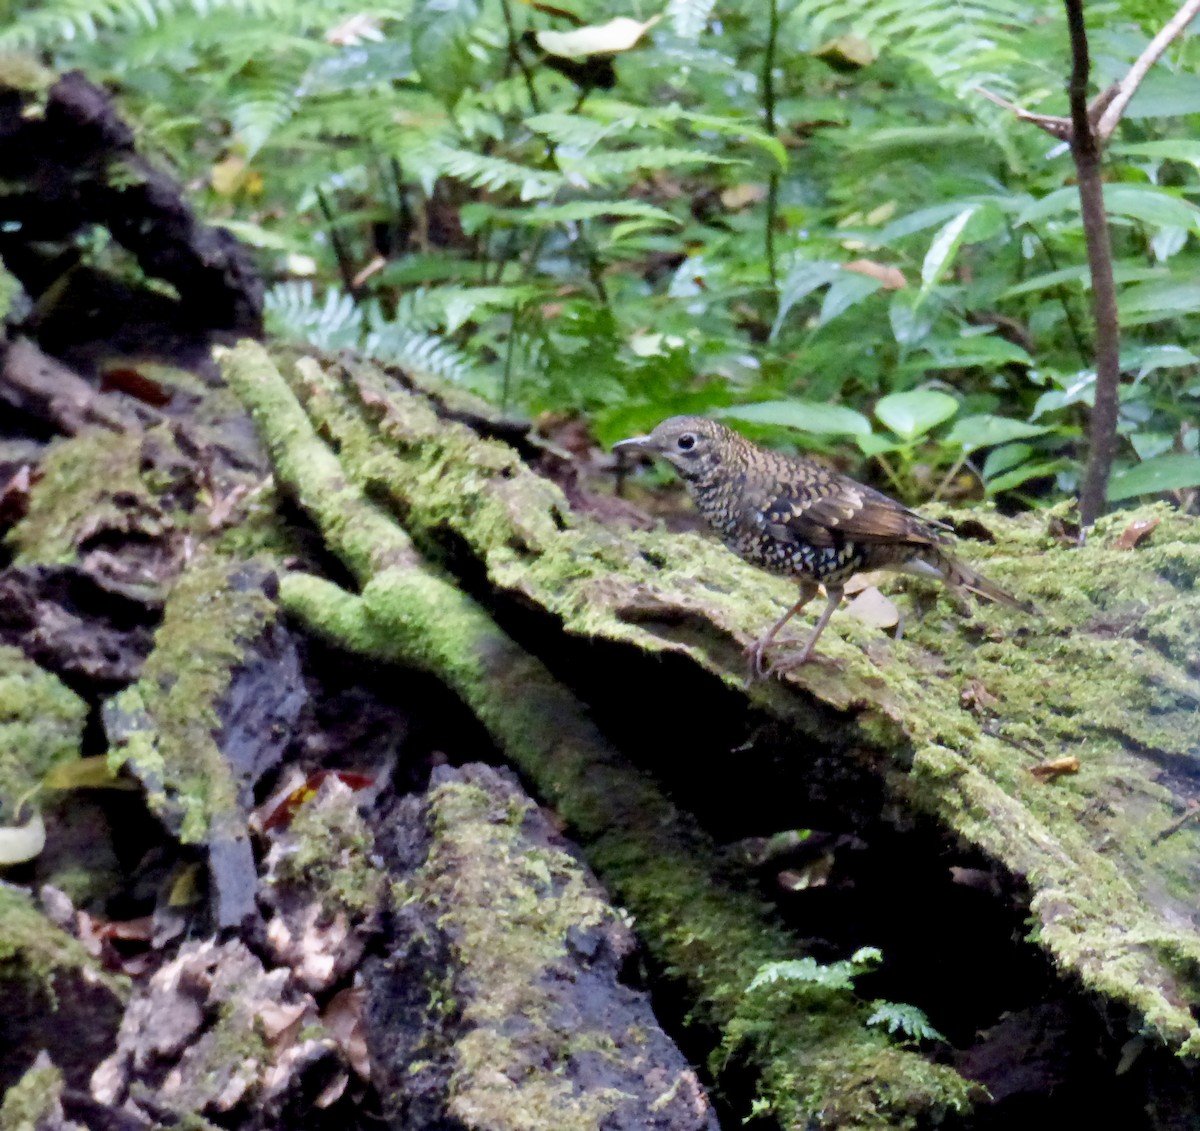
(686, 442)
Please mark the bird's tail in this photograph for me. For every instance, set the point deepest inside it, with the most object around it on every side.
(959, 576)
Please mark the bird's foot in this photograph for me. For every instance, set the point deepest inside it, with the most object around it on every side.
(762, 668)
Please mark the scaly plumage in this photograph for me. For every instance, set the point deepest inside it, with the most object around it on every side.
(796, 517)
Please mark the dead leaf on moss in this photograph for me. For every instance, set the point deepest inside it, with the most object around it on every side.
(1135, 533)
(1048, 771)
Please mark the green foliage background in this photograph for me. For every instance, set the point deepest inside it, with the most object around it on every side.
(801, 214)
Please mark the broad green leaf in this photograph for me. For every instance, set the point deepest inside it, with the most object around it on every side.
(1078, 273)
(1163, 298)
(805, 276)
(1023, 474)
(919, 221)
(1147, 203)
(943, 248)
(1183, 149)
(910, 322)
(1163, 473)
(1147, 360)
(1165, 94)
(875, 444)
(963, 352)
(807, 416)
(914, 413)
(846, 290)
(1005, 458)
(1150, 445)
(985, 431)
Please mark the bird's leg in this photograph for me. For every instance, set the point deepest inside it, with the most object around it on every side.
(808, 590)
(834, 592)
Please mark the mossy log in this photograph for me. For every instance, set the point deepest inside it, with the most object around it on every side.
(499, 1002)
(818, 1063)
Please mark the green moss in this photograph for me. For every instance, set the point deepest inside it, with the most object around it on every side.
(34, 1098)
(331, 857)
(507, 910)
(33, 950)
(168, 721)
(92, 481)
(41, 725)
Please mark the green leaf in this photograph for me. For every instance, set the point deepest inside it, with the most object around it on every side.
(1023, 474)
(1147, 203)
(985, 431)
(805, 276)
(943, 248)
(1183, 149)
(1000, 460)
(848, 289)
(543, 215)
(914, 413)
(440, 33)
(1163, 473)
(905, 1019)
(1164, 94)
(1160, 298)
(807, 416)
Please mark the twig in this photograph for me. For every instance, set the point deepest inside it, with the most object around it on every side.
(1108, 107)
(1127, 87)
(768, 82)
(1085, 150)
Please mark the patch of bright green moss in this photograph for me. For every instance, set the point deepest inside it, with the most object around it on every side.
(333, 848)
(32, 949)
(92, 481)
(168, 720)
(507, 909)
(41, 724)
(34, 1098)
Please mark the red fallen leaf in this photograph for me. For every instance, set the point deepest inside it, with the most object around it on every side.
(1048, 771)
(135, 384)
(283, 813)
(1137, 531)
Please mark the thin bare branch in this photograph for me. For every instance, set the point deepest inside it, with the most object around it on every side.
(1127, 87)
(1053, 125)
(1085, 151)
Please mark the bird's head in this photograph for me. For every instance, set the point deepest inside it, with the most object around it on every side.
(694, 445)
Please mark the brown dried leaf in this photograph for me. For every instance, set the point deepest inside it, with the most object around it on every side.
(892, 278)
(1048, 771)
(343, 1019)
(1136, 532)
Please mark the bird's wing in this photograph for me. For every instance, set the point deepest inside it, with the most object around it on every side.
(835, 509)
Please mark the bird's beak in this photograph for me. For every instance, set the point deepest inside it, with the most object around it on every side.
(633, 444)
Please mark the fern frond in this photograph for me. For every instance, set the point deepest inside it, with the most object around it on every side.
(599, 168)
(835, 976)
(427, 355)
(492, 173)
(961, 45)
(905, 1019)
(580, 210)
(689, 18)
(293, 312)
(64, 21)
